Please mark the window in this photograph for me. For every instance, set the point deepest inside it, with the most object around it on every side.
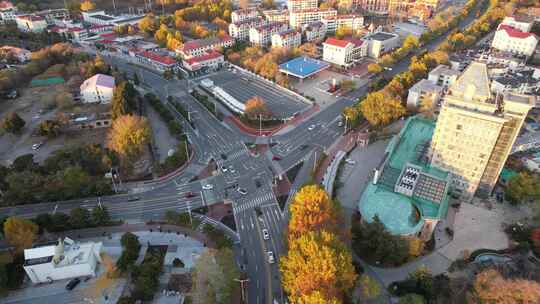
(459, 127)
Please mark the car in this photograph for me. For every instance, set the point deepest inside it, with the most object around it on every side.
(265, 234)
(73, 283)
(303, 147)
(37, 146)
(189, 194)
(223, 156)
(258, 183)
(224, 169)
(350, 161)
(311, 128)
(275, 157)
(242, 191)
(208, 187)
(271, 259)
(133, 198)
(231, 169)
(340, 123)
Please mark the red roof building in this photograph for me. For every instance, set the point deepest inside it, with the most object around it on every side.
(211, 59)
(156, 61)
(510, 39)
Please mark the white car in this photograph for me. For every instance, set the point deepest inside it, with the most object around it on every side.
(242, 191)
(37, 146)
(266, 235)
(224, 169)
(350, 161)
(208, 187)
(271, 259)
(311, 128)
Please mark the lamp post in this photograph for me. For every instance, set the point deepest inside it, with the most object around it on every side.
(242, 281)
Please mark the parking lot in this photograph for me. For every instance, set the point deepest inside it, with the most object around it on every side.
(243, 86)
(318, 86)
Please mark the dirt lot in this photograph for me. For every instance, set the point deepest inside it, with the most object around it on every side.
(28, 106)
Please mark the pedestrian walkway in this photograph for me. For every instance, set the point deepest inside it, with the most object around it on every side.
(243, 205)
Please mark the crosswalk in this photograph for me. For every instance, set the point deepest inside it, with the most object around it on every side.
(243, 205)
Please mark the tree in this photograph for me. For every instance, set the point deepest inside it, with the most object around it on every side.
(256, 106)
(20, 233)
(131, 246)
(316, 297)
(136, 80)
(87, 6)
(379, 109)
(410, 43)
(490, 287)
(374, 68)
(129, 136)
(522, 187)
(311, 210)
(412, 298)
(100, 216)
(148, 24)
(64, 100)
(416, 246)
(317, 261)
(347, 85)
(168, 74)
(12, 123)
(49, 128)
(79, 218)
(124, 100)
(308, 49)
(369, 287)
(130, 241)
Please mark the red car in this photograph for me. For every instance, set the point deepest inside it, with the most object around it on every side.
(275, 157)
(189, 195)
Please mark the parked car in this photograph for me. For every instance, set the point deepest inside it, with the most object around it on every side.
(208, 187)
(265, 234)
(73, 283)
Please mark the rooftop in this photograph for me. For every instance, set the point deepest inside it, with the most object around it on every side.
(166, 60)
(473, 83)
(444, 70)
(303, 66)
(515, 33)
(199, 43)
(400, 213)
(98, 80)
(72, 253)
(103, 17)
(208, 56)
(425, 85)
(382, 36)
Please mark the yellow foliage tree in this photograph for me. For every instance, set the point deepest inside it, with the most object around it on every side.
(256, 106)
(311, 210)
(129, 135)
(380, 109)
(87, 6)
(317, 261)
(416, 246)
(20, 233)
(491, 287)
(316, 298)
(374, 68)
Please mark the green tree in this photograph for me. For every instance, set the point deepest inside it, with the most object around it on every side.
(24, 162)
(12, 123)
(522, 187)
(79, 218)
(412, 298)
(136, 80)
(20, 233)
(124, 100)
(100, 216)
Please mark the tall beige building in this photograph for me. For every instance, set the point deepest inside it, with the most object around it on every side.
(475, 132)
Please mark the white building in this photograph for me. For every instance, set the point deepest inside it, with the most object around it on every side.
(443, 76)
(202, 46)
(65, 260)
(211, 60)
(7, 12)
(380, 43)
(31, 23)
(277, 15)
(350, 21)
(262, 35)
(240, 30)
(22, 55)
(51, 15)
(523, 23)
(423, 91)
(243, 14)
(287, 39)
(315, 31)
(97, 89)
(302, 4)
(99, 17)
(343, 52)
(301, 18)
(513, 40)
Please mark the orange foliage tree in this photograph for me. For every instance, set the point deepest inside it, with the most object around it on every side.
(311, 210)
(256, 107)
(491, 287)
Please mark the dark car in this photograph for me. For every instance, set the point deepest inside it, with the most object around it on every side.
(133, 198)
(275, 157)
(73, 283)
(189, 195)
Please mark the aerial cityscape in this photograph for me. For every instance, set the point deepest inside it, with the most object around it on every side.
(270, 151)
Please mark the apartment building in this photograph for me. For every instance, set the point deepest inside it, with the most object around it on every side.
(277, 15)
(510, 39)
(262, 35)
(287, 39)
(302, 4)
(423, 94)
(343, 53)
(243, 14)
(200, 47)
(443, 76)
(373, 6)
(350, 21)
(315, 31)
(7, 12)
(240, 30)
(475, 132)
(304, 17)
(31, 23)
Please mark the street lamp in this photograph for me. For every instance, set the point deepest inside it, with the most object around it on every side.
(242, 281)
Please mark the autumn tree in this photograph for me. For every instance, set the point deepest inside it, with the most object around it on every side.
(308, 49)
(522, 187)
(256, 107)
(148, 24)
(374, 68)
(491, 287)
(123, 100)
(129, 135)
(12, 123)
(317, 261)
(369, 287)
(312, 209)
(87, 5)
(20, 233)
(379, 109)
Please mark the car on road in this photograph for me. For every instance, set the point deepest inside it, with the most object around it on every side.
(271, 258)
(73, 283)
(266, 235)
(224, 169)
(37, 146)
(303, 147)
(242, 191)
(208, 187)
(133, 198)
(311, 128)
(231, 169)
(350, 161)
(340, 123)
(275, 157)
(189, 194)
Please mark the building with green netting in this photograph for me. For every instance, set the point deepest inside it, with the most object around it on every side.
(408, 194)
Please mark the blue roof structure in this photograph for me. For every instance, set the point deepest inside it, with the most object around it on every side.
(303, 67)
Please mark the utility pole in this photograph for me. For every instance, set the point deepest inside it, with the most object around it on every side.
(315, 161)
(260, 125)
(189, 210)
(242, 281)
